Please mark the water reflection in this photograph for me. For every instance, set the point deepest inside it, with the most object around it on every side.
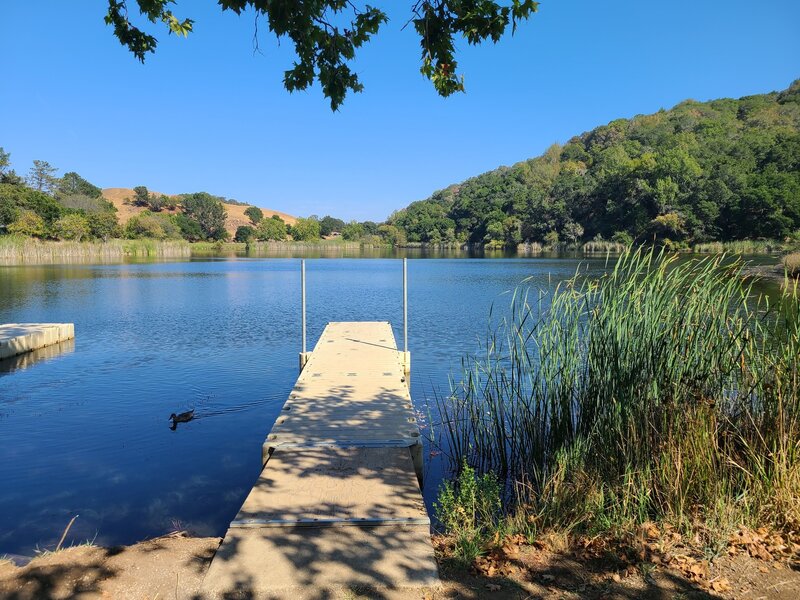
(29, 359)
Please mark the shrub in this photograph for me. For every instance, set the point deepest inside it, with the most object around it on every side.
(271, 229)
(469, 510)
(27, 223)
(305, 230)
(791, 262)
(150, 225)
(104, 225)
(551, 239)
(244, 233)
(71, 227)
(622, 237)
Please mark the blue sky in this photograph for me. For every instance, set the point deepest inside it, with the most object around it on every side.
(206, 113)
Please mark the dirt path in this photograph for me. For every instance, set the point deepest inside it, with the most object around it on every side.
(173, 567)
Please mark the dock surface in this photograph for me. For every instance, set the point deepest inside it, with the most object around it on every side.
(338, 504)
(19, 338)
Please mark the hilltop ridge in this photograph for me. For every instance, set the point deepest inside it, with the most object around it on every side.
(235, 212)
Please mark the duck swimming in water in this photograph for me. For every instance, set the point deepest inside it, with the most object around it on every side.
(183, 417)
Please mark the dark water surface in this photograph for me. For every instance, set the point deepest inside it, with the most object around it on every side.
(84, 427)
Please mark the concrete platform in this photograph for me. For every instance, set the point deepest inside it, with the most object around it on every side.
(338, 504)
(18, 338)
(335, 486)
(303, 562)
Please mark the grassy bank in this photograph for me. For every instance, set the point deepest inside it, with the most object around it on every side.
(741, 247)
(661, 392)
(25, 250)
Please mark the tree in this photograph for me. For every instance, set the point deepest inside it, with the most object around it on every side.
(392, 235)
(353, 231)
(190, 229)
(41, 176)
(208, 212)
(5, 161)
(72, 184)
(271, 229)
(326, 39)
(141, 197)
(244, 233)
(103, 225)
(305, 230)
(329, 224)
(71, 227)
(254, 213)
(28, 223)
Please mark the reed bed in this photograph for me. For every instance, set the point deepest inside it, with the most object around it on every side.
(24, 250)
(662, 391)
(603, 247)
(740, 247)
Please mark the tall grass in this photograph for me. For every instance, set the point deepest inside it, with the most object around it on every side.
(603, 247)
(791, 262)
(662, 390)
(740, 247)
(24, 250)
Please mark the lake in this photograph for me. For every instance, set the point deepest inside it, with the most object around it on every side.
(84, 428)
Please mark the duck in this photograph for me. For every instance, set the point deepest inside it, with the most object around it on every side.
(183, 417)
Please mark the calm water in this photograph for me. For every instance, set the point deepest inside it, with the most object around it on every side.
(84, 428)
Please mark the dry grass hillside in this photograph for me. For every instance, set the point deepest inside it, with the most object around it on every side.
(236, 216)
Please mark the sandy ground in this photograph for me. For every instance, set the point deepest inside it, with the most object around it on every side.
(172, 567)
(236, 216)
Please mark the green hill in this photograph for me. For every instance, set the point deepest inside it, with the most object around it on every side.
(720, 170)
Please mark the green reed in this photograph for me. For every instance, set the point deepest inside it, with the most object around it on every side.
(662, 390)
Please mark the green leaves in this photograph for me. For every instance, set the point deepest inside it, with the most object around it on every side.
(327, 33)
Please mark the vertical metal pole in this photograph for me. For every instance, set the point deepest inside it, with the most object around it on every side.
(405, 305)
(303, 298)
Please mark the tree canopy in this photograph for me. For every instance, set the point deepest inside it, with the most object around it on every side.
(327, 33)
(720, 170)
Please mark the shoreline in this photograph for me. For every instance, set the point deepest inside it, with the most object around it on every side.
(174, 565)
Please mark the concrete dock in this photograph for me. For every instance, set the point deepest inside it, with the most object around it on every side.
(19, 338)
(338, 504)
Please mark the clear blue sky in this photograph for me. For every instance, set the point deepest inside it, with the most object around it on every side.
(206, 113)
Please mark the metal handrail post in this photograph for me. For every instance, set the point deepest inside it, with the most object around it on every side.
(303, 298)
(405, 305)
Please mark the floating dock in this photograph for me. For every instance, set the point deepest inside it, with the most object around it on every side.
(338, 504)
(19, 338)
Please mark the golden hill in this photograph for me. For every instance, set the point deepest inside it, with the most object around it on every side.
(235, 218)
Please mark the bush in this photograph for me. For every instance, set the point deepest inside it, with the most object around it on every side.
(244, 233)
(71, 227)
(104, 225)
(469, 510)
(551, 239)
(271, 229)
(27, 223)
(305, 230)
(791, 262)
(150, 225)
(622, 237)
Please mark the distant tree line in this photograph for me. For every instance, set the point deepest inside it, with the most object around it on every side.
(720, 170)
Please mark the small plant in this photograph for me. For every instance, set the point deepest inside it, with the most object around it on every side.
(469, 508)
(791, 262)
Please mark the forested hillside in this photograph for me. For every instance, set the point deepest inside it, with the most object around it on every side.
(720, 170)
